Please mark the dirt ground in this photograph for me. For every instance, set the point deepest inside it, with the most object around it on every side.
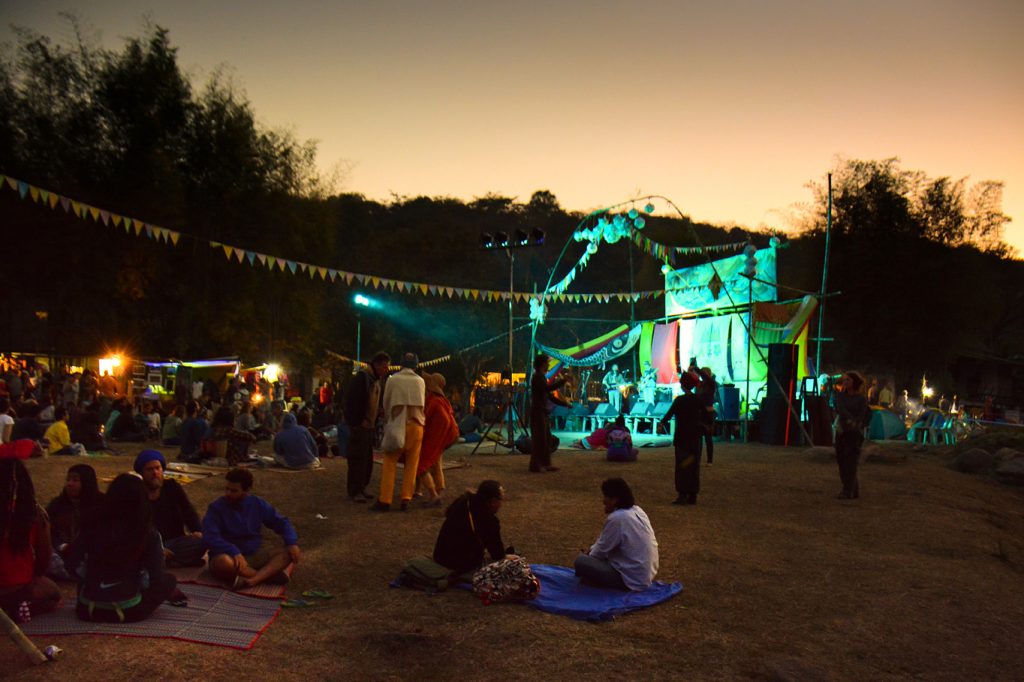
(922, 577)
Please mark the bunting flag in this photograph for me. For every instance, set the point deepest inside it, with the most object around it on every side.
(242, 256)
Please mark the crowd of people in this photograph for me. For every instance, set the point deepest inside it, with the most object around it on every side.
(118, 545)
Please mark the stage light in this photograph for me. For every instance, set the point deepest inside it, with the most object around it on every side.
(500, 240)
(486, 241)
(359, 299)
(522, 239)
(537, 237)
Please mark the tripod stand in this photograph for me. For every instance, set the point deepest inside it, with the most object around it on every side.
(507, 410)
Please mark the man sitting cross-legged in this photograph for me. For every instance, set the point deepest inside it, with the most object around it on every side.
(232, 532)
(173, 514)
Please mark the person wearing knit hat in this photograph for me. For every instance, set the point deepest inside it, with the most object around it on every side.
(688, 410)
(174, 517)
(147, 456)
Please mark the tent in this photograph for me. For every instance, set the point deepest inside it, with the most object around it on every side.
(885, 425)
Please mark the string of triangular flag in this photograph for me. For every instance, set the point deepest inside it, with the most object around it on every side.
(438, 360)
(85, 211)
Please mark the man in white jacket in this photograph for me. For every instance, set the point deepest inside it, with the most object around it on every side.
(404, 398)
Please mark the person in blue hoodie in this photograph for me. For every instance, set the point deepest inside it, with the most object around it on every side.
(232, 533)
(294, 446)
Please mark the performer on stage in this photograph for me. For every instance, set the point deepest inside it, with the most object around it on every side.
(648, 383)
(612, 381)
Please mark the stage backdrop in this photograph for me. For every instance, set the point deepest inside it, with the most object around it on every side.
(703, 287)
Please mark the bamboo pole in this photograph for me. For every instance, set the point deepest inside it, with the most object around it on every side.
(23, 642)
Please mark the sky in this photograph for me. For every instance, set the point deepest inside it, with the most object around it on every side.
(728, 108)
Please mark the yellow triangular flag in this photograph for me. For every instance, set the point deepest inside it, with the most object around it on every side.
(54, 198)
(174, 237)
(34, 192)
(94, 212)
(227, 251)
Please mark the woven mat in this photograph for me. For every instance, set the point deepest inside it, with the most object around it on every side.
(446, 463)
(199, 575)
(213, 616)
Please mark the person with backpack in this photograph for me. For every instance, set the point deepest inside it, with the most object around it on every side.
(620, 442)
(119, 559)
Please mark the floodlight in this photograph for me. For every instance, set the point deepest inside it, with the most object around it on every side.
(361, 300)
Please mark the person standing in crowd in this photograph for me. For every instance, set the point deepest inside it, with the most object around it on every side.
(648, 383)
(404, 399)
(6, 420)
(625, 556)
(471, 526)
(123, 579)
(25, 548)
(173, 515)
(541, 393)
(232, 532)
(361, 403)
(439, 431)
(852, 416)
(688, 410)
(708, 392)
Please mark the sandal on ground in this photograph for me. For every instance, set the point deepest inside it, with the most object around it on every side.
(318, 594)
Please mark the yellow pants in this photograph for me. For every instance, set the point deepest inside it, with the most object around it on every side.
(413, 441)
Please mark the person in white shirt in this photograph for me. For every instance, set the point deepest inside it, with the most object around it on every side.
(625, 557)
(6, 420)
(404, 400)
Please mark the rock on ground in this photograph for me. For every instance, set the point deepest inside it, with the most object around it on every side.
(974, 461)
(1011, 472)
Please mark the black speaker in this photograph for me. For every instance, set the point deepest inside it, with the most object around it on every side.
(729, 403)
(777, 425)
(782, 366)
(820, 417)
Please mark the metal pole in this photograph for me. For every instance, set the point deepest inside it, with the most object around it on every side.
(511, 386)
(359, 340)
(750, 338)
(824, 279)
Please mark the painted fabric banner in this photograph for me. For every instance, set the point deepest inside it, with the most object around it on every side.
(711, 345)
(699, 287)
(597, 351)
(663, 352)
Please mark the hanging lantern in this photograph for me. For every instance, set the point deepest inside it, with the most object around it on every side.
(649, 208)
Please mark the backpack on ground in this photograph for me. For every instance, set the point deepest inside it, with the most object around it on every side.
(423, 573)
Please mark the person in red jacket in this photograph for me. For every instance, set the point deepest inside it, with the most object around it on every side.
(440, 431)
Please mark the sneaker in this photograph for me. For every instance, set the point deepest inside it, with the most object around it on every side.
(379, 506)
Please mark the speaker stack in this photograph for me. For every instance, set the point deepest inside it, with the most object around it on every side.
(778, 425)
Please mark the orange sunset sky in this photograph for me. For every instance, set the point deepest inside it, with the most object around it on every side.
(728, 108)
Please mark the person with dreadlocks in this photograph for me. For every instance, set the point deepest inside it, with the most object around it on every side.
(25, 547)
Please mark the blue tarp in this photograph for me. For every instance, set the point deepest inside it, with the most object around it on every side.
(561, 593)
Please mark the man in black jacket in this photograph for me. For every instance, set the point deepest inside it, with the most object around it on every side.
(174, 517)
(361, 403)
(470, 526)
